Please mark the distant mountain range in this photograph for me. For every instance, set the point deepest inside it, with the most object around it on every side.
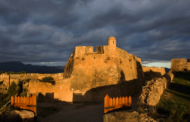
(16, 66)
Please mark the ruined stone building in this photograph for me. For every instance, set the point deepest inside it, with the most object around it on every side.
(109, 65)
(180, 64)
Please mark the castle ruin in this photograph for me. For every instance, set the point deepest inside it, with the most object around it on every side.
(180, 65)
(89, 76)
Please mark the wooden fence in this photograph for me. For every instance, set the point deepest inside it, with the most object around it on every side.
(28, 103)
(115, 103)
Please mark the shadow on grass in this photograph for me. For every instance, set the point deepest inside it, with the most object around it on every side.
(180, 88)
(182, 75)
(177, 107)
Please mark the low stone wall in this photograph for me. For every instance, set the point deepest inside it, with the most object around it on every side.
(60, 91)
(153, 90)
(160, 70)
(8, 79)
(180, 65)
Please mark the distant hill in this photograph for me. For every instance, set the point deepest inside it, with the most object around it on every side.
(16, 66)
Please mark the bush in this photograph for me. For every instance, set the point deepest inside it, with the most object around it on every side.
(12, 90)
(20, 87)
(48, 79)
(2, 72)
(10, 72)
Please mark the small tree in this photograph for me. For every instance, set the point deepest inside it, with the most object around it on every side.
(12, 89)
(49, 80)
(2, 72)
(20, 87)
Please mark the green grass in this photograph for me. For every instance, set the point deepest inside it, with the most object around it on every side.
(175, 101)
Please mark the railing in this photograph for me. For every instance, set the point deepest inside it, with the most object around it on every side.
(28, 103)
(115, 103)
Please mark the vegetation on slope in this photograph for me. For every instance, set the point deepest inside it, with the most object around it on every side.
(175, 101)
(48, 80)
(12, 91)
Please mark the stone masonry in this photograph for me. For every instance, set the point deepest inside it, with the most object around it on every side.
(180, 64)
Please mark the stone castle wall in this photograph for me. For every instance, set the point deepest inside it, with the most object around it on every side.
(180, 64)
(8, 79)
(155, 70)
(153, 90)
(105, 70)
(60, 91)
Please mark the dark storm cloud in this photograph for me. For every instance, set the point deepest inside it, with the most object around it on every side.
(48, 30)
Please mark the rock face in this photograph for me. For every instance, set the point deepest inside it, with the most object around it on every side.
(26, 116)
(180, 64)
(153, 90)
(124, 116)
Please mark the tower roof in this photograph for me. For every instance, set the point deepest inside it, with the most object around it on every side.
(111, 38)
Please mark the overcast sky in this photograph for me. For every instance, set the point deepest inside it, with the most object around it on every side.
(45, 32)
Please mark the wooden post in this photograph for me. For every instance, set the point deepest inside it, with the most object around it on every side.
(21, 102)
(126, 101)
(106, 103)
(123, 101)
(120, 101)
(114, 101)
(110, 103)
(27, 102)
(24, 101)
(12, 101)
(16, 100)
(130, 101)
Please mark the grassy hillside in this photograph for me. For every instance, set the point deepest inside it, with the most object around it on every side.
(175, 101)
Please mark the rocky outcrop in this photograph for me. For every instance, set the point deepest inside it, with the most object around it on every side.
(125, 116)
(153, 90)
(26, 116)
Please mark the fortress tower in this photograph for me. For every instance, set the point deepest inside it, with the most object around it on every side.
(112, 46)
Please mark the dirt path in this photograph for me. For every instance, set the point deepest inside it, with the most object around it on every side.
(75, 112)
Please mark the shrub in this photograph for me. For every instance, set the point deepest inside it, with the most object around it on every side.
(48, 79)
(20, 87)
(11, 72)
(2, 72)
(12, 89)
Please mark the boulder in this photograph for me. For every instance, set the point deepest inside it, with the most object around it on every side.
(27, 116)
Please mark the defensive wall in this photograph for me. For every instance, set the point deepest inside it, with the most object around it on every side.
(160, 70)
(8, 79)
(152, 91)
(180, 64)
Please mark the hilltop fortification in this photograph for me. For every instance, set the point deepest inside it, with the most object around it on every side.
(109, 65)
(89, 76)
(180, 64)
